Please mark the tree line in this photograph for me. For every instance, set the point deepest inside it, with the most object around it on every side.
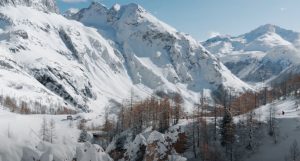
(33, 107)
(158, 113)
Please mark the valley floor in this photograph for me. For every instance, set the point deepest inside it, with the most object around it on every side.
(21, 132)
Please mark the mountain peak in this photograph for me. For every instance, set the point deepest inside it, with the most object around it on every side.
(133, 7)
(266, 28)
(288, 35)
(261, 30)
(44, 5)
(70, 12)
(97, 5)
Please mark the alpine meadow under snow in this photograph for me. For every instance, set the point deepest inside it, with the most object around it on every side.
(104, 84)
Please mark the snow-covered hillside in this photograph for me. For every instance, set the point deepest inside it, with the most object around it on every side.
(57, 61)
(258, 55)
(70, 61)
(20, 138)
(288, 129)
(154, 50)
(42, 5)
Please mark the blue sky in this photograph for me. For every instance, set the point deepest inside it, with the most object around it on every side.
(203, 18)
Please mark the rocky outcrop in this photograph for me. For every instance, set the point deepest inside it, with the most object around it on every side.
(149, 146)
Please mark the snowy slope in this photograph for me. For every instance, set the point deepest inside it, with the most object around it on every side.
(72, 61)
(20, 135)
(288, 125)
(61, 61)
(258, 55)
(155, 50)
(42, 5)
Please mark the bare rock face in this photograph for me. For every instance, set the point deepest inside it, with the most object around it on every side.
(157, 148)
(43, 5)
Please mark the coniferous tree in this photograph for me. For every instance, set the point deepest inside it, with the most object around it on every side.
(83, 137)
(108, 126)
(228, 133)
(44, 131)
(215, 123)
(227, 129)
(273, 130)
(193, 135)
(250, 130)
(52, 135)
(177, 109)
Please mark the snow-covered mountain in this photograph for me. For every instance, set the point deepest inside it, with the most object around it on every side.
(70, 12)
(42, 5)
(258, 55)
(58, 59)
(154, 50)
(55, 60)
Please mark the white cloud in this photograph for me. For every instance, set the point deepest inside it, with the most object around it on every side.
(73, 10)
(73, 1)
(283, 9)
(212, 34)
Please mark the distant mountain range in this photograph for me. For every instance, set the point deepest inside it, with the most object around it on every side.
(260, 55)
